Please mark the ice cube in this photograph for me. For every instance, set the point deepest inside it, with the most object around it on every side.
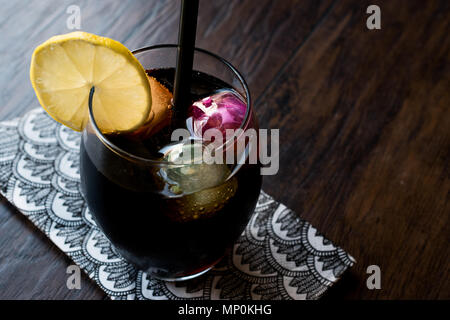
(191, 174)
(201, 204)
(197, 190)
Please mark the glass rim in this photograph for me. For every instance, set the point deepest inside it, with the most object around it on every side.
(135, 158)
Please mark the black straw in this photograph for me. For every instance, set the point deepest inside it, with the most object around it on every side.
(185, 57)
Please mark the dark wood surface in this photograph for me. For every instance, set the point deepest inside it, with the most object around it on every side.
(364, 118)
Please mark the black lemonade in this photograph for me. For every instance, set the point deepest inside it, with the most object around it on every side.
(168, 220)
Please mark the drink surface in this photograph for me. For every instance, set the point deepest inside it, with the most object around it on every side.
(171, 221)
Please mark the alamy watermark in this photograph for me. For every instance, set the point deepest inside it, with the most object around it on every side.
(374, 280)
(74, 280)
(73, 22)
(374, 20)
(226, 309)
(235, 147)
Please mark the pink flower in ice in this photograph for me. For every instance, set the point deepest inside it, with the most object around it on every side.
(223, 110)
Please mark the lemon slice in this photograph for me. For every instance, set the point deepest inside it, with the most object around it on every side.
(66, 67)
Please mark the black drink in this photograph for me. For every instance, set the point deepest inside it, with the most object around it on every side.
(168, 226)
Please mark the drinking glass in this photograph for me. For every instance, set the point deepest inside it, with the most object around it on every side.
(168, 235)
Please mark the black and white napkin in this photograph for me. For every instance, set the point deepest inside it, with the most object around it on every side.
(278, 256)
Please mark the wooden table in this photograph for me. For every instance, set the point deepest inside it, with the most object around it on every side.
(363, 115)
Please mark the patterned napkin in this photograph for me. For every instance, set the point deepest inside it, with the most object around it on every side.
(278, 256)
